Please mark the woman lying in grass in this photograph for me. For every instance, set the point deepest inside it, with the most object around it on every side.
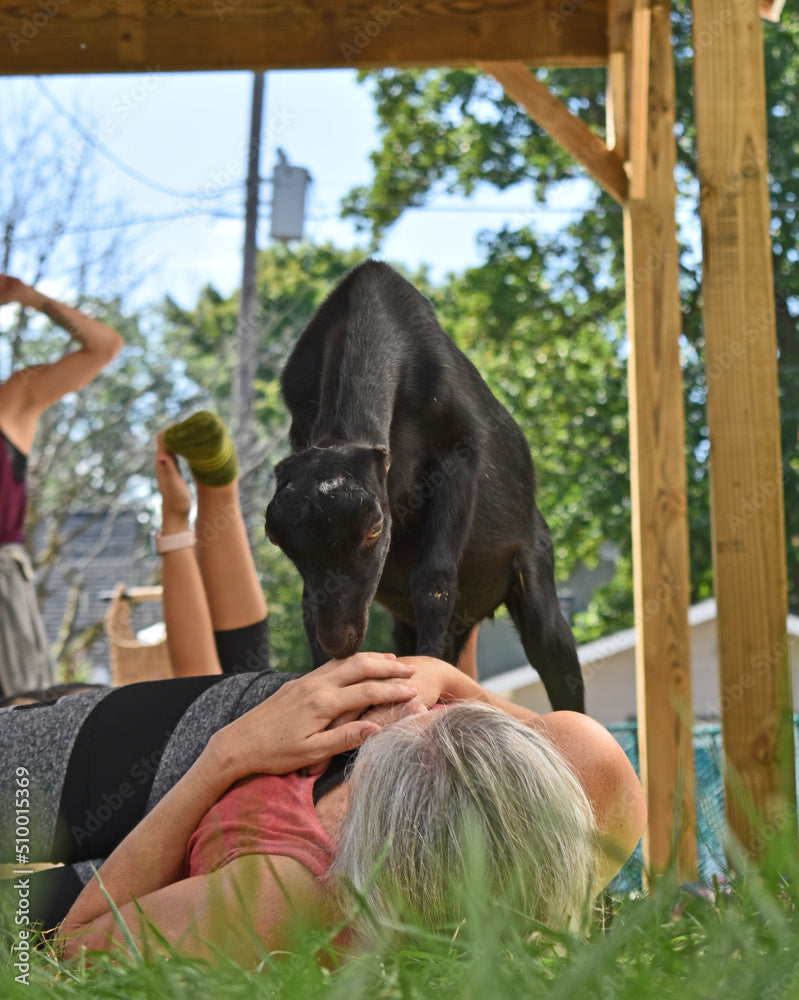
(227, 816)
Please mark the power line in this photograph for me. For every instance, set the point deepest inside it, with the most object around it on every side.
(79, 127)
(136, 175)
(140, 221)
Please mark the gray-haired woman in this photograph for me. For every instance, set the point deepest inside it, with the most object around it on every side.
(225, 806)
(261, 830)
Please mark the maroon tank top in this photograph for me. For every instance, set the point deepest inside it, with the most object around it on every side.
(13, 466)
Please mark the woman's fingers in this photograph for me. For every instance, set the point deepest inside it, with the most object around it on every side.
(362, 666)
(312, 718)
(343, 738)
(383, 715)
(349, 703)
(339, 691)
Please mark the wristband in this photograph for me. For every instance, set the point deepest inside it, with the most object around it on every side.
(172, 543)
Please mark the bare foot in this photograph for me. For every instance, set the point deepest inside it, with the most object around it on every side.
(175, 491)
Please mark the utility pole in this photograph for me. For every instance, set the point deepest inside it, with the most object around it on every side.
(246, 355)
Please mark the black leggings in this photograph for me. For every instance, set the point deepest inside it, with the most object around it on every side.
(117, 751)
(112, 766)
(107, 783)
(239, 650)
(242, 650)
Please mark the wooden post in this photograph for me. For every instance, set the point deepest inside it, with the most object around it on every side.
(743, 417)
(657, 453)
(246, 322)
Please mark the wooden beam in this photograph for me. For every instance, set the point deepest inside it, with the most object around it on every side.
(618, 105)
(658, 476)
(49, 36)
(617, 87)
(746, 495)
(574, 136)
(639, 95)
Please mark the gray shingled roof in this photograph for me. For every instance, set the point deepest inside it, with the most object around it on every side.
(103, 547)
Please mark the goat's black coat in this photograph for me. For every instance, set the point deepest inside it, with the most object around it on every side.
(410, 483)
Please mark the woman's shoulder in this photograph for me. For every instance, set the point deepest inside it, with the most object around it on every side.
(604, 770)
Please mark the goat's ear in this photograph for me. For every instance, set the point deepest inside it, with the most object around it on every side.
(382, 459)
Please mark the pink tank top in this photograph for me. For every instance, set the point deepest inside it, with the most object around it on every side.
(262, 814)
(13, 465)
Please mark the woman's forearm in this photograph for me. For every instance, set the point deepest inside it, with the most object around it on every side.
(93, 335)
(153, 854)
(458, 686)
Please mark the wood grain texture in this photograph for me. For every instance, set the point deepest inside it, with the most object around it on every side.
(658, 475)
(639, 96)
(103, 36)
(743, 417)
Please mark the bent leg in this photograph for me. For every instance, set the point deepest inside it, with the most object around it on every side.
(233, 590)
(189, 632)
(545, 634)
(236, 608)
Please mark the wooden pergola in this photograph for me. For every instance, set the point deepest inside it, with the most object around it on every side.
(635, 164)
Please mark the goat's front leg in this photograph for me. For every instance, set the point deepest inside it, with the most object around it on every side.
(447, 523)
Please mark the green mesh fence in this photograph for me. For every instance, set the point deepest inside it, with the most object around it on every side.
(709, 801)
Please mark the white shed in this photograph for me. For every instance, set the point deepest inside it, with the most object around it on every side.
(609, 669)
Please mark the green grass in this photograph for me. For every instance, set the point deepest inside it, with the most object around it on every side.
(744, 945)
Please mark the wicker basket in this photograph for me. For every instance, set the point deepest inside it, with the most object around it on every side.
(131, 659)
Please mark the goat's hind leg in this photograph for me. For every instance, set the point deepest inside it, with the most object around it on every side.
(545, 634)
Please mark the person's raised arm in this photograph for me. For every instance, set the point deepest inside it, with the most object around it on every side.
(27, 393)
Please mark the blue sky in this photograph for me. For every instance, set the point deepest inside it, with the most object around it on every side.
(187, 132)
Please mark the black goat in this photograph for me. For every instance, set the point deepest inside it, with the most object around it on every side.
(410, 483)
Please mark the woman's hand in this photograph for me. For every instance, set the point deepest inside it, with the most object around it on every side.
(435, 681)
(11, 289)
(311, 719)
